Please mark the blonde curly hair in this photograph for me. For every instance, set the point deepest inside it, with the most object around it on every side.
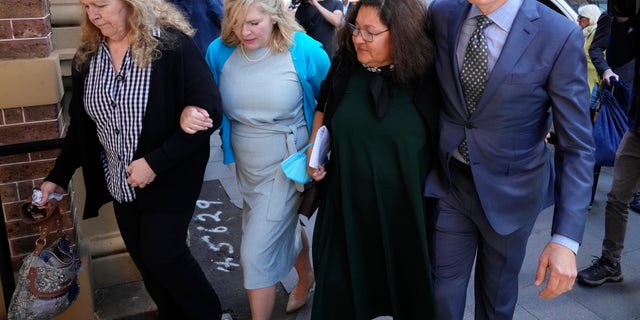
(285, 23)
(145, 16)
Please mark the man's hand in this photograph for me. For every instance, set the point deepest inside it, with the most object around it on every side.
(607, 74)
(560, 261)
(140, 173)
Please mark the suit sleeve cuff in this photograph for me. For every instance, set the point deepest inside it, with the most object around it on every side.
(567, 242)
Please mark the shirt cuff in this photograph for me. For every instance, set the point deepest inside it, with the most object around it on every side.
(567, 242)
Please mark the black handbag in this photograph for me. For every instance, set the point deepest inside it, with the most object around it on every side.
(47, 282)
(310, 198)
(314, 190)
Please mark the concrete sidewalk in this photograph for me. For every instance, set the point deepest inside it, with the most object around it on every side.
(216, 171)
(611, 301)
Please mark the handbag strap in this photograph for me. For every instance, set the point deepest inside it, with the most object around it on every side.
(54, 220)
(41, 243)
(64, 286)
(32, 213)
(595, 110)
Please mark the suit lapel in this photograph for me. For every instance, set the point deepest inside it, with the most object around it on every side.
(522, 32)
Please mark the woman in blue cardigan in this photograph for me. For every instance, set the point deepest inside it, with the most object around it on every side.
(269, 75)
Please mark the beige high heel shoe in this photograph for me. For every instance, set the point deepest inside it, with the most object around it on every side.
(296, 300)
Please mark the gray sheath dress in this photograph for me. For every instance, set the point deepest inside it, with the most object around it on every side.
(263, 99)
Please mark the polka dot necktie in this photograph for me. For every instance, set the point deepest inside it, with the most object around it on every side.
(473, 73)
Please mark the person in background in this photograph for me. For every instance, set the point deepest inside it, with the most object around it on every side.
(626, 176)
(135, 70)
(610, 53)
(380, 103)
(346, 4)
(587, 18)
(205, 16)
(508, 69)
(320, 18)
(269, 73)
(611, 57)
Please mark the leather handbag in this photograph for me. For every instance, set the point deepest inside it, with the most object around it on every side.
(314, 191)
(310, 198)
(47, 282)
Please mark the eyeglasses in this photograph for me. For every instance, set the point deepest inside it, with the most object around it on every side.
(366, 35)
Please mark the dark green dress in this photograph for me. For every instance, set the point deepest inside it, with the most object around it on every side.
(370, 240)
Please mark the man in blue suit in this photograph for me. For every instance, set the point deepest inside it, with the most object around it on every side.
(206, 17)
(499, 173)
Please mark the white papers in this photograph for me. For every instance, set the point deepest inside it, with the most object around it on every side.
(320, 148)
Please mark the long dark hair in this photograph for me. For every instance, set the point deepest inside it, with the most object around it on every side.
(413, 51)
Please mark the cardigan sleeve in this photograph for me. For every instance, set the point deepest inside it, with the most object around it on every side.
(317, 63)
(311, 63)
(181, 79)
(216, 56)
(71, 154)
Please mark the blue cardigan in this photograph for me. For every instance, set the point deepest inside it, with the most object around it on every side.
(309, 60)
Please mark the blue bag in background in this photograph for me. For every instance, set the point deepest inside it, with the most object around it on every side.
(610, 121)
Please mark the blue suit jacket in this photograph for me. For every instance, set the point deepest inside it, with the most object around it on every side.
(206, 17)
(541, 72)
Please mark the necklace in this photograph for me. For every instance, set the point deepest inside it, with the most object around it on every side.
(266, 53)
(378, 69)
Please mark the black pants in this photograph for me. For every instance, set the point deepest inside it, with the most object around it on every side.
(156, 242)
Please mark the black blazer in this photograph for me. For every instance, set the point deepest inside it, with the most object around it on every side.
(180, 77)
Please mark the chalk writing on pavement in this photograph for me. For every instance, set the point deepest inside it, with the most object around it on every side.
(227, 264)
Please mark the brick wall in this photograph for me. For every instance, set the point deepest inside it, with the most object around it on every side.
(25, 29)
(25, 33)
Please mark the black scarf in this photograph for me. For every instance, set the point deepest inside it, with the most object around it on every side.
(381, 88)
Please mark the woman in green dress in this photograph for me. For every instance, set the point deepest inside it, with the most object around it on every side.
(380, 103)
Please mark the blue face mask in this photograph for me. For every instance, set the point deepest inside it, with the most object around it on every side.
(295, 166)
